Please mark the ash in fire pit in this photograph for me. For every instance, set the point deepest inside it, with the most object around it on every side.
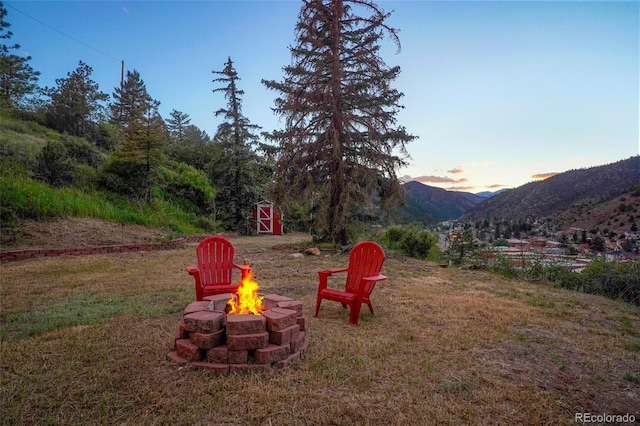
(210, 337)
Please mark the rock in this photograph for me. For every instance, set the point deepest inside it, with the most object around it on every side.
(296, 255)
(312, 251)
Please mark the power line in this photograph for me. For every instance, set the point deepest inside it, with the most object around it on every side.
(60, 32)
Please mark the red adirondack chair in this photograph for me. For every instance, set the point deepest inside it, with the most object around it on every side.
(214, 272)
(363, 271)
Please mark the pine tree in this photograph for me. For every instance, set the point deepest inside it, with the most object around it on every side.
(236, 173)
(17, 78)
(177, 125)
(131, 103)
(76, 102)
(341, 141)
(132, 168)
(193, 149)
(194, 134)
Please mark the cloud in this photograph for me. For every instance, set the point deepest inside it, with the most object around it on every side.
(496, 186)
(457, 170)
(125, 10)
(543, 175)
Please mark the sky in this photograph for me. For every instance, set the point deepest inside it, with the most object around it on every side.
(499, 93)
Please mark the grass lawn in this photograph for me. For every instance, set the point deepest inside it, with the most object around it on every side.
(85, 339)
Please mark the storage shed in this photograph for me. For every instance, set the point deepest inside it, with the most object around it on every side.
(267, 218)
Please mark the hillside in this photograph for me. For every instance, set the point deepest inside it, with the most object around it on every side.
(616, 214)
(428, 204)
(562, 193)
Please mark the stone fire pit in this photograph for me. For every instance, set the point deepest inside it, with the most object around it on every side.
(210, 338)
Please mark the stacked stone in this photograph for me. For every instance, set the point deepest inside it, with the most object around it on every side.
(209, 338)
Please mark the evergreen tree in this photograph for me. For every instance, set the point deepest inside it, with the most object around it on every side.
(132, 168)
(131, 104)
(341, 140)
(177, 125)
(597, 243)
(17, 78)
(76, 103)
(194, 134)
(195, 148)
(237, 173)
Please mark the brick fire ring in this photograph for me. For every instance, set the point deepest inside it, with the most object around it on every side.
(209, 338)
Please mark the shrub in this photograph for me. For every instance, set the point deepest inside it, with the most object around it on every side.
(463, 245)
(82, 151)
(85, 177)
(107, 136)
(188, 184)
(412, 241)
(51, 134)
(418, 244)
(502, 266)
(124, 177)
(54, 166)
(561, 276)
(297, 218)
(207, 224)
(393, 236)
(11, 164)
(18, 152)
(612, 280)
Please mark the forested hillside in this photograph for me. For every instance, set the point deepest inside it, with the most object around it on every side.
(65, 158)
(427, 204)
(562, 192)
(74, 150)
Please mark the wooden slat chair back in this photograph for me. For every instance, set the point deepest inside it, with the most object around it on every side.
(214, 272)
(363, 272)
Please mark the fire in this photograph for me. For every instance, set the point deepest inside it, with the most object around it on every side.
(247, 300)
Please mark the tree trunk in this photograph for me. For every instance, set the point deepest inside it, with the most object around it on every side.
(337, 220)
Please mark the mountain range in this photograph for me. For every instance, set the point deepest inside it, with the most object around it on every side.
(577, 191)
(428, 204)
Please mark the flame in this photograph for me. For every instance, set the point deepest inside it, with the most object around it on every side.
(246, 301)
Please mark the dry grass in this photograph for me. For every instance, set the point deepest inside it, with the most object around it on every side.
(445, 347)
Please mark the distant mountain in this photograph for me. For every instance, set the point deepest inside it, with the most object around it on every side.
(559, 193)
(489, 194)
(428, 204)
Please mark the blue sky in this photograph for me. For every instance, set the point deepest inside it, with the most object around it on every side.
(499, 93)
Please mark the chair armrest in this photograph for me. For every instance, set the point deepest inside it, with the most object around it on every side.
(332, 271)
(324, 275)
(243, 268)
(369, 284)
(375, 278)
(193, 270)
